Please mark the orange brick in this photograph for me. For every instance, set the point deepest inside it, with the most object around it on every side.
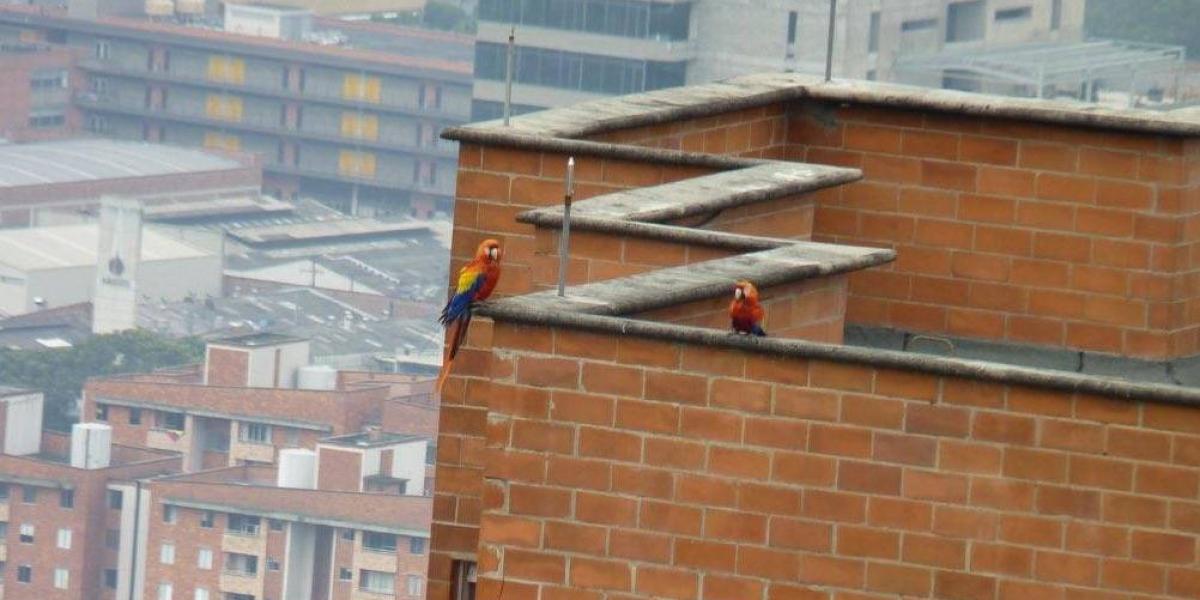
(843, 441)
(1066, 188)
(538, 501)
(1031, 531)
(1005, 494)
(1107, 163)
(1101, 472)
(1042, 402)
(868, 478)
(613, 379)
(674, 453)
(609, 444)
(872, 411)
(1133, 255)
(548, 372)
(1137, 443)
(647, 416)
(1020, 590)
(736, 526)
(605, 510)
(980, 266)
(776, 433)
(699, 489)
(1131, 576)
(1003, 427)
(895, 513)
(806, 403)
(1054, 500)
(905, 449)
(574, 537)
(1184, 583)
(1067, 568)
(647, 353)
(966, 457)
(873, 139)
(600, 574)
(1002, 560)
(936, 420)
(928, 202)
(963, 586)
(1134, 510)
(827, 570)
(1174, 418)
(518, 531)
(705, 555)
(1003, 240)
(949, 175)
(834, 506)
(639, 545)
(1013, 183)
(1073, 436)
(1160, 480)
(987, 209)
(737, 394)
(667, 583)
(1123, 194)
(901, 580)
(1092, 538)
(1024, 463)
(546, 437)
(930, 144)
(795, 534)
(1048, 157)
(712, 425)
(1164, 547)
(803, 469)
(935, 551)
(944, 234)
(937, 487)
(964, 523)
(717, 587)
(641, 481)
(771, 564)
(867, 542)
(972, 393)
(990, 150)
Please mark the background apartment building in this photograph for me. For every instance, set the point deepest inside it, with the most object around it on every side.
(574, 50)
(352, 126)
(37, 82)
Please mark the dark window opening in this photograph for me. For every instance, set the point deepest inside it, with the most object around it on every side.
(1014, 14)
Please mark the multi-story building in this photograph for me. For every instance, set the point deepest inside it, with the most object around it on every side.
(37, 82)
(254, 396)
(980, 379)
(256, 532)
(66, 522)
(568, 51)
(351, 126)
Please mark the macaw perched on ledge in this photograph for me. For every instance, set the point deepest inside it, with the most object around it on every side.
(745, 313)
(476, 281)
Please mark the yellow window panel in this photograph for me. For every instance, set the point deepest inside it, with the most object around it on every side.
(226, 69)
(352, 163)
(355, 125)
(224, 107)
(361, 87)
(221, 141)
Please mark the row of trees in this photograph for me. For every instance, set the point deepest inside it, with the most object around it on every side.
(60, 373)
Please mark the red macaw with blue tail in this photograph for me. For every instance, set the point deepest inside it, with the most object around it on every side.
(476, 281)
(745, 313)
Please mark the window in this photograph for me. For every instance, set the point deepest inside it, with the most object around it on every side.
(110, 579)
(244, 525)
(416, 545)
(102, 49)
(135, 416)
(566, 70)
(1014, 14)
(379, 542)
(275, 524)
(918, 25)
(44, 119)
(1055, 15)
(112, 539)
(66, 498)
(291, 436)
(377, 582)
(791, 31)
(272, 564)
(348, 534)
(873, 35)
(61, 578)
(3, 532)
(207, 518)
(254, 433)
(101, 412)
(414, 585)
(204, 558)
(166, 554)
(463, 584)
(241, 564)
(64, 539)
(170, 512)
(115, 499)
(97, 123)
(24, 573)
(27, 532)
(29, 494)
(965, 21)
(429, 95)
(48, 79)
(164, 591)
(643, 19)
(170, 420)
(3, 491)
(345, 574)
(201, 594)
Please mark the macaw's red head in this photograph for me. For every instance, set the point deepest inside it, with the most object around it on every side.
(489, 250)
(745, 289)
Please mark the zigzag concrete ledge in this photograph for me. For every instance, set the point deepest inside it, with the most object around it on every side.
(618, 443)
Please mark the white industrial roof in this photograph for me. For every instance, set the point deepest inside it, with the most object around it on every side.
(43, 248)
(71, 161)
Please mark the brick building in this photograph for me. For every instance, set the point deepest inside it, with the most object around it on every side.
(331, 121)
(980, 384)
(36, 84)
(262, 533)
(63, 526)
(254, 396)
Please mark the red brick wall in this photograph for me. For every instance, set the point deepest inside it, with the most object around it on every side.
(1055, 235)
(227, 367)
(664, 474)
(339, 470)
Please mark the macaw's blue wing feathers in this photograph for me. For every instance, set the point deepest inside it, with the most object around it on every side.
(758, 330)
(460, 303)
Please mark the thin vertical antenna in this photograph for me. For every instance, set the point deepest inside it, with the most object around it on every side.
(508, 74)
(829, 41)
(564, 243)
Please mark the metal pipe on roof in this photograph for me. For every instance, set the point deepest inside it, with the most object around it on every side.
(829, 41)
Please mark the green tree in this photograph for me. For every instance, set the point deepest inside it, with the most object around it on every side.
(61, 372)
(1154, 21)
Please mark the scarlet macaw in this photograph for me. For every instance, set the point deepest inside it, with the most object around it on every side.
(476, 281)
(745, 313)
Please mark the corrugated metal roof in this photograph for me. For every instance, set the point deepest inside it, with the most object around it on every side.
(71, 161)
(44, 248)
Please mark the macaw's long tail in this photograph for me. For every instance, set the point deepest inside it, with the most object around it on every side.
(458, 333)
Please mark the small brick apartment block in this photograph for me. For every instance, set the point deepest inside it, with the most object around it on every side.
(980, 383)
(37, 83)
(255, 476)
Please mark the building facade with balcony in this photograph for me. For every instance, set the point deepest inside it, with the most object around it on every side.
(37, 82)
(354, 127)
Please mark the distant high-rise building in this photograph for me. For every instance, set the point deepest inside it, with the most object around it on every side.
(568, 51)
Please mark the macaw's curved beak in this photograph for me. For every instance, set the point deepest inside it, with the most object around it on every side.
(738, 293)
